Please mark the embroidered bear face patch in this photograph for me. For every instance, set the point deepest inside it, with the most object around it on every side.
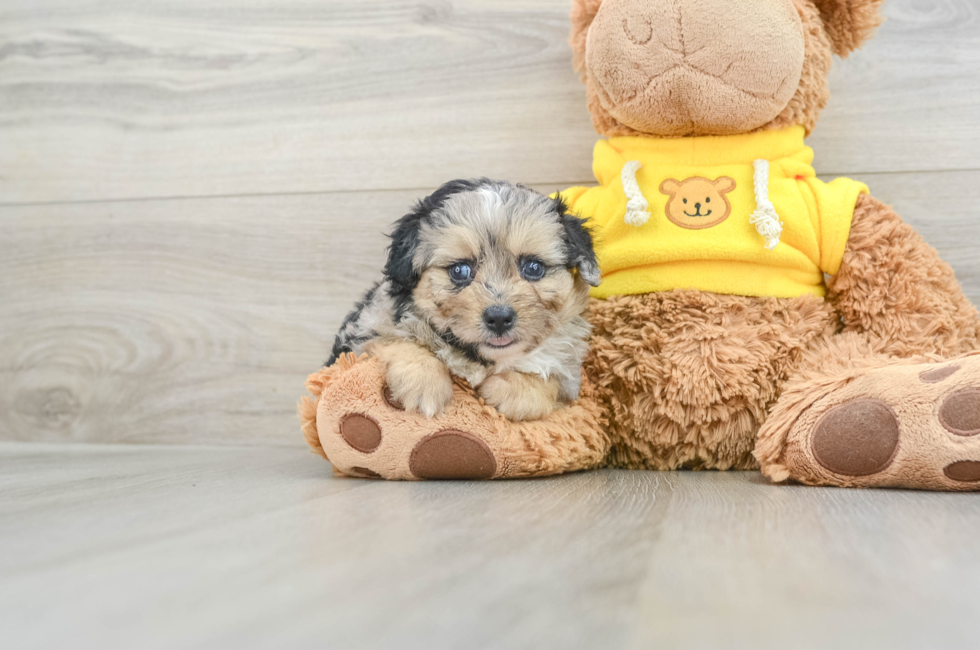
(698, 203)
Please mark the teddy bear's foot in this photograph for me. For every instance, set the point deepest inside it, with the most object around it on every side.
(909, 426)
(356, 424)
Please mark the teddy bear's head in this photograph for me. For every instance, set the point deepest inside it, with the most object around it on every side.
(712, 67)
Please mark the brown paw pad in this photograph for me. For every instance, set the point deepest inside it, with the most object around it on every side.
(858, 438)
(452, 454)
(360, 432)
(960, 412)
(965, 471)
(938, 375)
(390, 400)
(364, 472)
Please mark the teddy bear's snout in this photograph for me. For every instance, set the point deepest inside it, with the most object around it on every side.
(693, 67)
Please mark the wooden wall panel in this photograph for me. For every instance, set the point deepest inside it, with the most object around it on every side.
(111, 99)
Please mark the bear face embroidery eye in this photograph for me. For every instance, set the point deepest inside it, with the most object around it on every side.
(708, 200)
(685, 200)
(461, 273)
(533, 270)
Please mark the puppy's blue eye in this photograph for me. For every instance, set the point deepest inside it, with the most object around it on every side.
(532, 270)
(460, 273)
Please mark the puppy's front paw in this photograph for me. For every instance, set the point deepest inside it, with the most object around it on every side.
(518, 397)
(420, 385)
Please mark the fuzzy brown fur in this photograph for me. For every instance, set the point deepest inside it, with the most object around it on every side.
(849, 23)
(894, 287)
(687, 377)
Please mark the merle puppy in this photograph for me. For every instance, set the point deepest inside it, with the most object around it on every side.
(487, 281)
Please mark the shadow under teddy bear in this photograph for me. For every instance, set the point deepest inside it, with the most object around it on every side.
(717, 342)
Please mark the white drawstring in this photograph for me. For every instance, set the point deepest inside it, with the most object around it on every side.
(765, 219)
(637, 206)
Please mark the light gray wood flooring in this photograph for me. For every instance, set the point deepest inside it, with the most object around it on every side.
(132, 546)
(191, 196)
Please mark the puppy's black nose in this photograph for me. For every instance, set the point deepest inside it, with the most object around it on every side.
(499, 318)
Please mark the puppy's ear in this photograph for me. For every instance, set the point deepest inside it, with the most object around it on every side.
(400, 267)
(579, 252)
(849, 23)
(583, 13)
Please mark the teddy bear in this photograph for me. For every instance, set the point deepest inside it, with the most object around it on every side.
(751, 315)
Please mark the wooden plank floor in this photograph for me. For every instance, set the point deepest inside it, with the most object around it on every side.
(147, 547)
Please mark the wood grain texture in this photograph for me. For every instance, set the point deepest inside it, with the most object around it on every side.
(110, 99)
(152, 547)
(177, 320)
(197, 320)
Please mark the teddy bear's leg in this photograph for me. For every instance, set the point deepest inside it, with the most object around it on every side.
(355, 423)
(886, 403)
(858, 418)
(895, 288)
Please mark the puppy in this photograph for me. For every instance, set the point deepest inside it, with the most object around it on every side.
(487, 281)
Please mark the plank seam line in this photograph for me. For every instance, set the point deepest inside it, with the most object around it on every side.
(252, 195)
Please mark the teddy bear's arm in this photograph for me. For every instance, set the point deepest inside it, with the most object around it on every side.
(895, 287)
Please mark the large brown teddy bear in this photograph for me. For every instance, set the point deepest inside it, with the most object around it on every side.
(750, 314)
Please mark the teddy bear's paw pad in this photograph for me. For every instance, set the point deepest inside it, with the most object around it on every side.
(964, 471)
(361, 432)
(903, 425)
(364, 472)
(452, 454)
(939, 374)
(390, 400)
(857, 438)
(960, 412)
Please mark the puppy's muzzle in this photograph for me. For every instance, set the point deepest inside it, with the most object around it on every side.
(499, 319)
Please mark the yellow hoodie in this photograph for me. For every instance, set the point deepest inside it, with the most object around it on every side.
(742, 215)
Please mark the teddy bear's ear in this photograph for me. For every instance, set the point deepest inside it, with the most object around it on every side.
(849, 23)
(669, 187)
(725, 184)
(583, 13)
